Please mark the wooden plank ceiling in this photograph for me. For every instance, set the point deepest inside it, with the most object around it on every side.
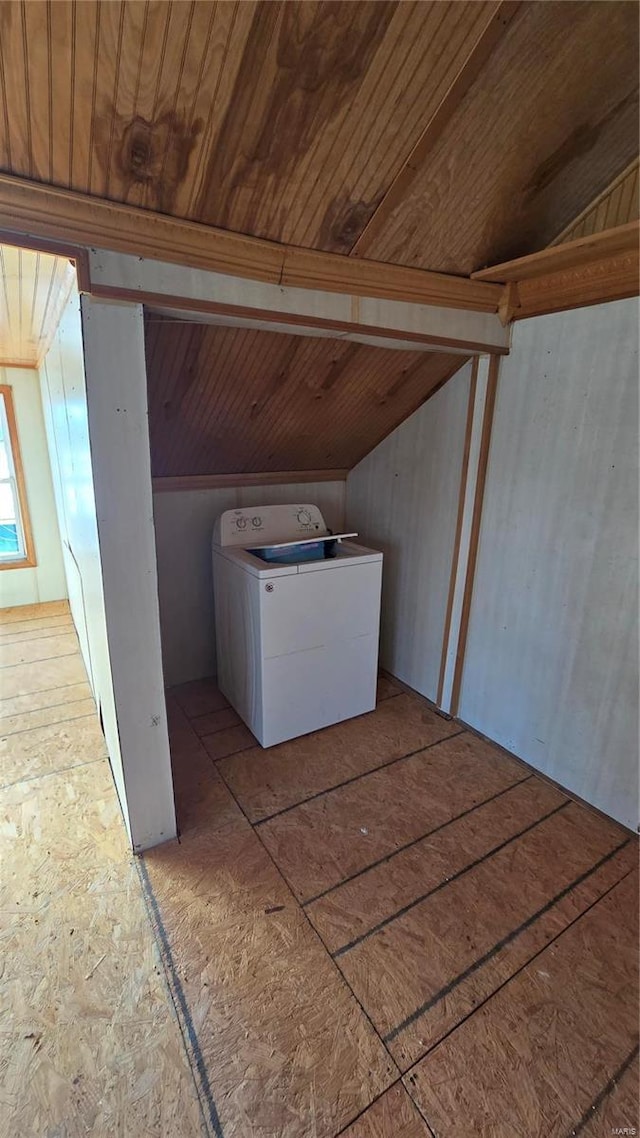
(616, 206)
(33, 291)
(442, 135)
(241, 401)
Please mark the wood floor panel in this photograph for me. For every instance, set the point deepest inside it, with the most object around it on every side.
(28, 679)
(35, 629)
(287, 1049)
(528, 1061)
(199, 697)
(45, 717)
(387, 687)
(203, 803)
(266, 781)
(394, 1115)
(52, 748)
(376, 894)
(41, 611)
(88, 1043)
(615, 1109)
(228, 742)
(50, 698)
(215, 721)
(419, 975)
(322, 842)
(25, 651)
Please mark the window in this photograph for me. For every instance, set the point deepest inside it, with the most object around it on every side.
(16, 546)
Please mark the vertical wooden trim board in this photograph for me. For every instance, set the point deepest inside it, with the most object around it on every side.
(482, 396)
(456, 543)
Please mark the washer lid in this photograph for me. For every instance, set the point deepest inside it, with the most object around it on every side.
(254, 526)
(347, 553)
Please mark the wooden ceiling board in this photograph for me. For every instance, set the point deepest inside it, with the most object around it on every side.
(552, 117)
(444, 135)
(328, 101)
(618, 205)
(283, 120)
(239, 400)
(33, 291)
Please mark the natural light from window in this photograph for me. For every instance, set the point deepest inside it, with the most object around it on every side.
(12, 543)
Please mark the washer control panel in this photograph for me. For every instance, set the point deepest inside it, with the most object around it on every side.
(265, 525)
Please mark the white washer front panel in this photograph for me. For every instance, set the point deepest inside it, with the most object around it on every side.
(315, 609)
(309, 690)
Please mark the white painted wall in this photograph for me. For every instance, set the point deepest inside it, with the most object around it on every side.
(184, 524)
(46, 581)
(403, 499)
(551, 666)
(98, 437)
(65, 404)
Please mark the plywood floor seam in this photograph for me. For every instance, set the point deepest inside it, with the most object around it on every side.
(518, 827)
(477, 1006)
(279, 971)
(456, 980)
(348, 781)
(313, 929)
(443, 884)
(409, 845)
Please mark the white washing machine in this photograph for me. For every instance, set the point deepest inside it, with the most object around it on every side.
(297, 620)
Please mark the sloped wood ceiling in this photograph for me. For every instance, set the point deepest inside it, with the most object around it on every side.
(34, 288)
(617, 205)
(445, 135)
(241, 401)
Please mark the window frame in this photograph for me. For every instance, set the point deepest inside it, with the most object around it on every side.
(28, 559)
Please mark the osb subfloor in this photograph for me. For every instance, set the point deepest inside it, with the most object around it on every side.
(388, 929)
(89, 1041)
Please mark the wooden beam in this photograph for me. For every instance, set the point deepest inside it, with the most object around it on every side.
(263, 478)
(494, 31)
(613, 278)
(509, 303)
(571, 255)
(31, 210)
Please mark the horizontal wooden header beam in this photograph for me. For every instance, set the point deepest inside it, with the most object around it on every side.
(163, 284)
(33, 210)
(264, 478)
(570, 255)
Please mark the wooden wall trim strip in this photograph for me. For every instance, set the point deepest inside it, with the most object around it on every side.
(31, 210)
(483, 463)
(614, 278)
(456, 543)
(75, 253)
(494, 31)
(478, 397)
(571, 255)
(262, 478)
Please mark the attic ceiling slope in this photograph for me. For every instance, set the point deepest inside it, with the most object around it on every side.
(244, 401)
(491, 126)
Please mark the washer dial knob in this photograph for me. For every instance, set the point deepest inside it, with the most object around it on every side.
(304, 517)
